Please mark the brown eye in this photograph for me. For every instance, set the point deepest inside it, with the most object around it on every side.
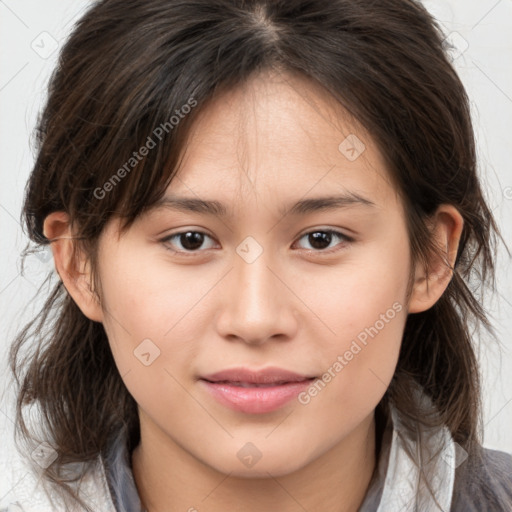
(186, 241)
(320, 240)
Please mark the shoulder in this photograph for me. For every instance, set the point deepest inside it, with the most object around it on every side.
(19, 486)
(22, 489)
(484, 483)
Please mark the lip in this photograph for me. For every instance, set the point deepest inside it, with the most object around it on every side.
(281, 386)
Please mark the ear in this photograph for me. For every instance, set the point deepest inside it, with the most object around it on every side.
(447, 224)
(74, 272)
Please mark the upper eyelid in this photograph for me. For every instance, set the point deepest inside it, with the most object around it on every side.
(336, 231)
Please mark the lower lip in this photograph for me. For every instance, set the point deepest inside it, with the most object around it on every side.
(255, 400)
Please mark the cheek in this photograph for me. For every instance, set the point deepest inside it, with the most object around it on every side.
(360, 361)
(366, 312)
(152, 317)
(150, 338)
(353, 296)
(142, 300)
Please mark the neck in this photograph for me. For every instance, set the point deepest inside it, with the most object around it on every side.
(169, 478)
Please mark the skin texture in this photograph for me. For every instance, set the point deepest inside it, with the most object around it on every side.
(258, 150)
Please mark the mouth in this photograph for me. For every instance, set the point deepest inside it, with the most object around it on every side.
(255, 392)
(271, 375)
(255, 384)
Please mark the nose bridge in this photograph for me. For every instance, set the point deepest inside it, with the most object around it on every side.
(257, 305)
(253, 274)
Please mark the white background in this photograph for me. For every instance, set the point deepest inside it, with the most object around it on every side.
(30, 30)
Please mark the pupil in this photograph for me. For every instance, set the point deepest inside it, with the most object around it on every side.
(320, 239)
(191, 240)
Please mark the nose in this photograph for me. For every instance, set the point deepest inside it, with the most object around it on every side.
(257, 303)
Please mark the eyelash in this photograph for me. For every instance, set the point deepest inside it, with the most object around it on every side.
(345, 240)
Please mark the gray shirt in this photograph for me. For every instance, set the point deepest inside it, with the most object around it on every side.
(417, 470)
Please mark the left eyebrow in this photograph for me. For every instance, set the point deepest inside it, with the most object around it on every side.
(305, 206)
(302, 207)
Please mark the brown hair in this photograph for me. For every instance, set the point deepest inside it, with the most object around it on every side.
(130, 65)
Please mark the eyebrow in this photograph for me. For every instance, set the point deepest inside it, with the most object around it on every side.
(301, 207)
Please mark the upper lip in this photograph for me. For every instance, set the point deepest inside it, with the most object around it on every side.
(263, 376)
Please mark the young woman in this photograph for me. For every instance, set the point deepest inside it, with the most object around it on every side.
(265, 218)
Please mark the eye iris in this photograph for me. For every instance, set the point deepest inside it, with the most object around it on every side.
(191, 240)
(320, 239)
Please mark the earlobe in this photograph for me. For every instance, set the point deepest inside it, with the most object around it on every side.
(428, 287)
(74, 272)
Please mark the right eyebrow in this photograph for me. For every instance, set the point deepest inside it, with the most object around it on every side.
(191, 204)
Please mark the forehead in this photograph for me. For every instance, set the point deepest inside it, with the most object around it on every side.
(278, 138)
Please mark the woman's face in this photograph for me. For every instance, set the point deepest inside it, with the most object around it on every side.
(262, 285)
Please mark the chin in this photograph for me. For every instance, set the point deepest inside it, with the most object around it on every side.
(273, 466)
